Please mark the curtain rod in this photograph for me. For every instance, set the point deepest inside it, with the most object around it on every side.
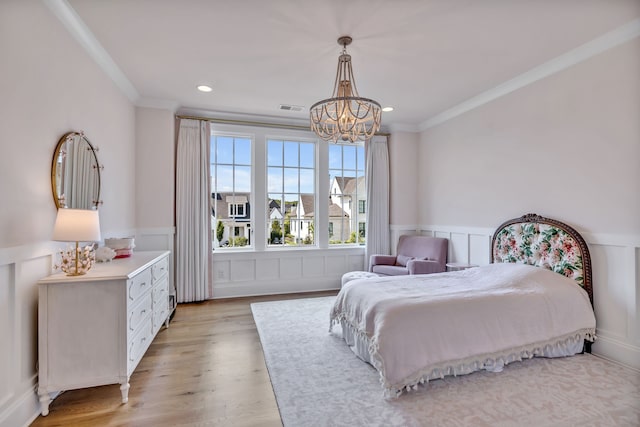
(254, 123)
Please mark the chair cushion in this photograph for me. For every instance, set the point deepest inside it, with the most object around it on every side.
(390, 270)
(403, 260)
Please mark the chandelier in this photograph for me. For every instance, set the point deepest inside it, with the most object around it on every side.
(345, 115)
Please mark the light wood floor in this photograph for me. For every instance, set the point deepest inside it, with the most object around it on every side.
(206, 369)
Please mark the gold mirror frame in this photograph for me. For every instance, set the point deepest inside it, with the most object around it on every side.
(75, 173)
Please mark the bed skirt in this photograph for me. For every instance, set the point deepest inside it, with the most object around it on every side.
(361, 345)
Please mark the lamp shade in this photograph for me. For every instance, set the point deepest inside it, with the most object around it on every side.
(77, 225)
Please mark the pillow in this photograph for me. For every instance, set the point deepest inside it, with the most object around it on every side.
(403, 260)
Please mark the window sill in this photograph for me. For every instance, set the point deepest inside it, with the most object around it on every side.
(286, 250)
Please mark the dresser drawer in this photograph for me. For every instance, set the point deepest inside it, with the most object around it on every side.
(159, 316)
(160, 291)
(160, 269)
(160, 303)
(137, 314)
(139, 344)
(139, 284)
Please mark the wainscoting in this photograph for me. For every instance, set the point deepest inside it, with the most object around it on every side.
(616, 281)
(20, 268)
(280, 271)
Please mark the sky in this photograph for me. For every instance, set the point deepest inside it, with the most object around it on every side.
(290, 164)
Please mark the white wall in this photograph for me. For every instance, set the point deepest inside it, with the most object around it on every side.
(566, 147)
(403, 172)
(48, 86)
(155, 168)
(155, 183)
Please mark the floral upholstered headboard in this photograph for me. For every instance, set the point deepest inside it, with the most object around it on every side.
(543, 242)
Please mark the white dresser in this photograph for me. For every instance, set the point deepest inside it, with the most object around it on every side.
(94, 329)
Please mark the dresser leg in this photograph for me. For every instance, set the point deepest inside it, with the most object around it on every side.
(44, 404)
(124, 389)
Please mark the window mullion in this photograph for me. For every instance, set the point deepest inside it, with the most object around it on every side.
(321, 226)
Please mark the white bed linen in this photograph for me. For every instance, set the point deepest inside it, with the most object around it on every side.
(417, 328)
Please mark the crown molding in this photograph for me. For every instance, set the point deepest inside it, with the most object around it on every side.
(228, 115)
(160, 104)
(403, 127)
(81, 33)
(596, 46)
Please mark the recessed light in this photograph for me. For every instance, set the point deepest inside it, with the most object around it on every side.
(204, 88)
(387, 109)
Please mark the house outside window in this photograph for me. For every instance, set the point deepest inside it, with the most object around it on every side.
(291, 169)
(231, 176)
(347, 190)
(361, 229)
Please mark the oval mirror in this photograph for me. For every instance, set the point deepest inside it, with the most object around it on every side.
(75, 173)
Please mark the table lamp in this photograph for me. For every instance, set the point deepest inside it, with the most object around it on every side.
(77, 225)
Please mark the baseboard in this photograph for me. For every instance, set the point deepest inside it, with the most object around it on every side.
(22, 411)
(253, 288)
(617, 351)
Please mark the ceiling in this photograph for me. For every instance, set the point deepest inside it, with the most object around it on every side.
(421, 57)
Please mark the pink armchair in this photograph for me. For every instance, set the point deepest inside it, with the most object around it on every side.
(415, 255)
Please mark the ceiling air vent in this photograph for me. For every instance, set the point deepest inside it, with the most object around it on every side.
(287, 107)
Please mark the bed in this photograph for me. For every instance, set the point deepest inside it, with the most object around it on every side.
(534, 299)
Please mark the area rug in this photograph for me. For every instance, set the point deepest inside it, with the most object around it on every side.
(318, 381)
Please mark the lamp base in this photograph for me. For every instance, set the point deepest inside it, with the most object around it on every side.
(76, 273)
(77, 261)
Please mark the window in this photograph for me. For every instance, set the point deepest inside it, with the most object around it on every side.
(230, 190)
(265, 185)
(291, 191)
(346, 190)
(236, 209)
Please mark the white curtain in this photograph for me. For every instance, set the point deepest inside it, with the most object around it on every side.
(193, 212)
(80, 177)
(377, 180)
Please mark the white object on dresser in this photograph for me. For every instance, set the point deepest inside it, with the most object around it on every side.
(94, 329)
